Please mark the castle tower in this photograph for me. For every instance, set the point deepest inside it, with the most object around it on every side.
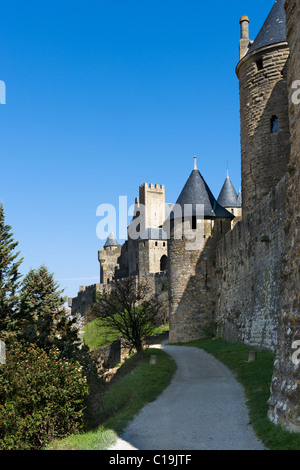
(109, 259)
(153, 198)
(149, 213)
(262, 74)
(229, 199)
(191, 260)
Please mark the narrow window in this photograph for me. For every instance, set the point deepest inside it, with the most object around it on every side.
(259, 64)
(194, 223)
(274, 125)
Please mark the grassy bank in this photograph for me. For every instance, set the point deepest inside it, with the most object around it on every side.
(255, 377)
(136, 384)
(97, 336)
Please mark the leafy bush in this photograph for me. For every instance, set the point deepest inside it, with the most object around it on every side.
(41, 397)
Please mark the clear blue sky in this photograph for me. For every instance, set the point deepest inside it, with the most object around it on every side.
(103, 96)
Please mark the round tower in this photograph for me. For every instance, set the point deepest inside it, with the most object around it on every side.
(262, 74)
(229, 199)
(109, 259)
(195, 225)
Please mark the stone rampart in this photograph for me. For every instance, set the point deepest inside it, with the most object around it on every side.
(284, 402)
(248, 274)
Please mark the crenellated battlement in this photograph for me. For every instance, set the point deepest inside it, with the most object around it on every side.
(153, 187)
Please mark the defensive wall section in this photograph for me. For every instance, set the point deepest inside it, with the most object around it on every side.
(157, 284)
(248, 274)
(284, 402)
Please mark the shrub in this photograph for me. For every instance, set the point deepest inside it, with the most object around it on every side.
(41, 397)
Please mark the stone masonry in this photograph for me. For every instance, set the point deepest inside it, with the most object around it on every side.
(285, 391)
(262, 75)
(191, 272)
(244, 280)
(247, 276)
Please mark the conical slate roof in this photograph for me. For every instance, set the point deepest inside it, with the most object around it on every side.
(196, 192)
(228, 196)
(240, 199)
(273, 30)
(111, 241)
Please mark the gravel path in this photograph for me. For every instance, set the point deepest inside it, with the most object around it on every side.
(202, 409)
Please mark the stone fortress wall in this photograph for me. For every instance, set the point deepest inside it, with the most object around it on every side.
(247, 284)
(247, 275)
(258, 263)
(284, 402)
(247, 278)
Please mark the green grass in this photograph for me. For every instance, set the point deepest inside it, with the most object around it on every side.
(97, 336)
(138, 383)
(255, 377)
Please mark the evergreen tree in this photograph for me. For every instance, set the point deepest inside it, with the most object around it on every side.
(43, 319)
(9, 277)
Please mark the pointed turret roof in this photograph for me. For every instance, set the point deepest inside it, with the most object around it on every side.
(196, 192)
(111, 241)
(240, 199)
(273, 30)
(228, 196)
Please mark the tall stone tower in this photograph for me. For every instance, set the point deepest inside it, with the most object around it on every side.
(284, 402)
(196, 223)
(153, 198)
(109, 259)
(149, 213)
(262, 74)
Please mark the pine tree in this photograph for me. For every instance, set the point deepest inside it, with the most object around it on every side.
(43, 319)
(9, 277)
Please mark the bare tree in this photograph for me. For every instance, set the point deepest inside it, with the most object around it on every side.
(132, 309)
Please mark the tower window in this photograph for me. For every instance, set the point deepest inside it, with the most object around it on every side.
(259, 64)
(274, 125)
